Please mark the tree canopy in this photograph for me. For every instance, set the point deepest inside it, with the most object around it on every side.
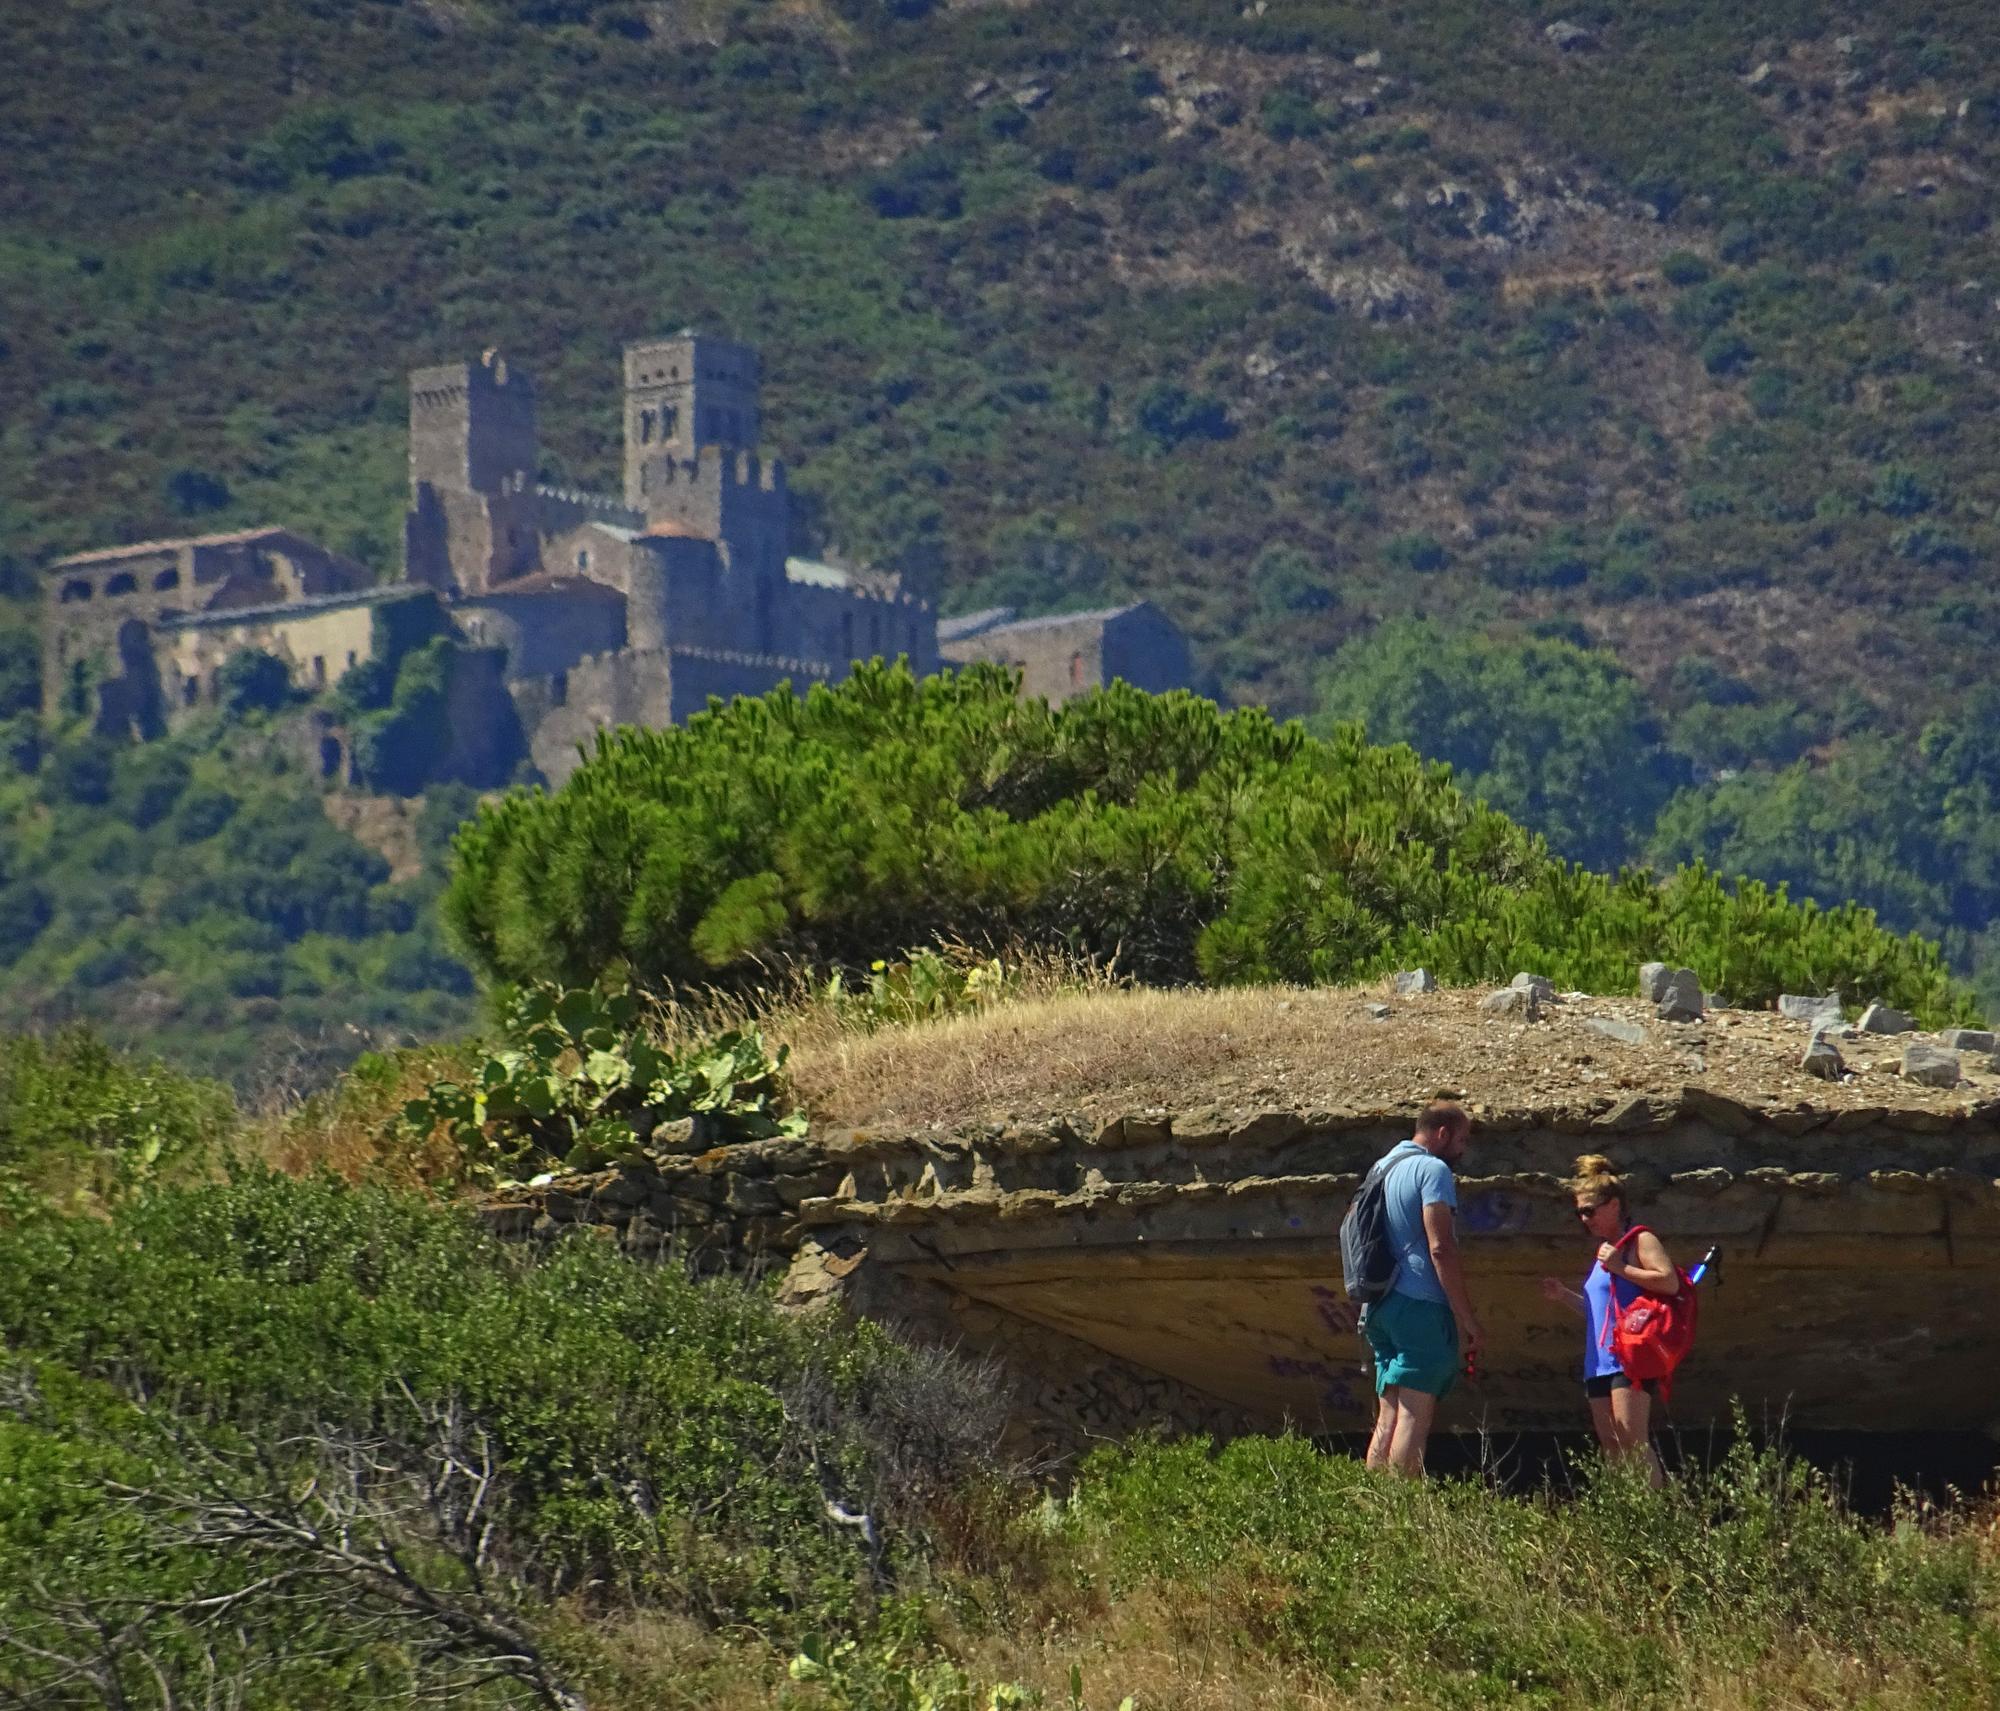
(1550, 733)
(1185, 842)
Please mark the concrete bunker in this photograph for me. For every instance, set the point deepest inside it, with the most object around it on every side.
(1181, 1270)
(1186, 1268)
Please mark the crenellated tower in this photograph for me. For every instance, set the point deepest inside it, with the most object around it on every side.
(692, 466)
(474, 516)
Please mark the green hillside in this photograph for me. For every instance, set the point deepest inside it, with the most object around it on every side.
(1675, 343)
(1189, 306)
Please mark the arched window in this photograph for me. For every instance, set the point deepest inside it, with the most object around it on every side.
(75, 589)
(583, 558)
(169, 578)
(1076, 671)
(123, 583)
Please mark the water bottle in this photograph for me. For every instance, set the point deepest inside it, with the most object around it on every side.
(1702, 1265)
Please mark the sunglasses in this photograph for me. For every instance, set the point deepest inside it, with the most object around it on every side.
(1586, 1213)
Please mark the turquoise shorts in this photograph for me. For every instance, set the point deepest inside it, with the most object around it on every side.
(1415, 1344)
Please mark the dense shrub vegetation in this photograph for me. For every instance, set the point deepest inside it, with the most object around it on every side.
(283, 1442)
(191, 893)
(1182, 841)
(77, 1119)
(520, 1430)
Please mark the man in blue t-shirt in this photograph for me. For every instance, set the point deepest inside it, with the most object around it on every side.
(1418, 1329)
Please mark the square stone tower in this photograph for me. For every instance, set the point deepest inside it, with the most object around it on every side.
(473, 518)
(681, 394)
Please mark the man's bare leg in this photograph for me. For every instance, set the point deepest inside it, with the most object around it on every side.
(1385, 1428)
(1415, 1410)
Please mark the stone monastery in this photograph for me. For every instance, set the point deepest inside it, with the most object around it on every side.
(577, 610)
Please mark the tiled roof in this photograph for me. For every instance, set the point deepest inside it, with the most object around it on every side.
(1051, 621)
(973, 623)
(222, 616)
(236, 537)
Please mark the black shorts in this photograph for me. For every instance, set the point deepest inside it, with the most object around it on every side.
(1595, 1387)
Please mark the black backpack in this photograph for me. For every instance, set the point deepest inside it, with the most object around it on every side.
(1367, 1257)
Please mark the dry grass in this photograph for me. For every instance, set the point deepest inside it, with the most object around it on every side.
(1179, 1647)
(1103, 1052)
(352, 1129)
(1054, 1037)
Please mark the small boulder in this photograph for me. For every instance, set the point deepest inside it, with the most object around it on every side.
(1625, 1033)
(1571, 38)
(1822, 1058)
(1810, 1007)
(1516, 1002)
(1970, 1040)
(1378, 1012)
(1653, 978)
(677, 1135)
(1834, 1030)
(1412, 981)
(1680, 999)
(1543, 989)
(1880, 1019)
(1369, 61)
(1929, 1065)
(1761, 76)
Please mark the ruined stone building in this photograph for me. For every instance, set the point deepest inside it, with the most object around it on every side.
(582, 610)
(1070, 652)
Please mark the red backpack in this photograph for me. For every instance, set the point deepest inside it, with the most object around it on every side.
(1652, 1335)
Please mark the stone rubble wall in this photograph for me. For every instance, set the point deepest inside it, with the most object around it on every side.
(1047, 1246)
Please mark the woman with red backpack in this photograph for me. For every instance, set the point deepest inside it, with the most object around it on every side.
(1638, 1308)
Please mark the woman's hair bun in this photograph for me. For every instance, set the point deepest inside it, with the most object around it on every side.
(1594, 1164)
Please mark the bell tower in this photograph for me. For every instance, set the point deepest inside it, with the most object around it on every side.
(681, 394)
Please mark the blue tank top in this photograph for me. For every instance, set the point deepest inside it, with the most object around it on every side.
(1600, 1291)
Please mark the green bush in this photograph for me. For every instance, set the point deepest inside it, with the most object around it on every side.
(645, 1439)
(1552, 734)
(1416, 551)
(1448, 1595)
(20, 672)
(76, 1116)
(1157, 830)
(1169, 414)
(253, 682)
(153, 889)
